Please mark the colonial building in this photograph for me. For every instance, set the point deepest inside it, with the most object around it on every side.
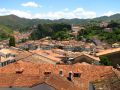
(87, 59)
(112, 54)
(6, 57)
(29, 76)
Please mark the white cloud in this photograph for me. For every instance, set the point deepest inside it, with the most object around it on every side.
(2, 9)
(109, 13)
(77, 13)
(66, 9)
(31, 4)
(66, 13)
(19, 13)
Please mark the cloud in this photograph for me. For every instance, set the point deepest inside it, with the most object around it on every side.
(67, 14)
(4, 11)
(30, 4)
(109, 13)
(66, 9)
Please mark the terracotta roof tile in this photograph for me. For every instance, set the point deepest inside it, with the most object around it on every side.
(108, 51)
(34, 74)
(48, 54)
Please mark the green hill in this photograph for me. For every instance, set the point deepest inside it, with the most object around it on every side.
(5, 32)
(17, 23)
(23, 24)
(14, 22)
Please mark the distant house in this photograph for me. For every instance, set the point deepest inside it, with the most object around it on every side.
(4, 44)
(115, 45)
(108, 30)
(111, 82)
(76, 29)
(47, 56)
(87, 59)
(103, 24)
(27, 46)
(112, 54)
(6, 57)
(46, 47)
(96, 41)
(32, 46)
(68, 48)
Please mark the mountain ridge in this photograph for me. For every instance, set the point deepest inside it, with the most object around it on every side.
(16, 22)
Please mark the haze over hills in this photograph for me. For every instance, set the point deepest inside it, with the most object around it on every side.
(17, 23)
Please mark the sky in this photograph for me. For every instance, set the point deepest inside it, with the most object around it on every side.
(57, 9)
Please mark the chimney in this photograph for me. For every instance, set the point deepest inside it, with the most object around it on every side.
(47, 74)
(0, 58)
(94, 51)
(61, 72)
(19, 70)
(70, 76)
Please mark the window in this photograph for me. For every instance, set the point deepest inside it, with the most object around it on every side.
(13, 60)
(47, 73)
(7, 55)
(19, 70)
(76, 75)
(2, 64)
(13, 55)
(7, 62)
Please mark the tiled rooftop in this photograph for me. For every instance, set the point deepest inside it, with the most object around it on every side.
(49, 54)
(6, 51)
(34, 73)
(108, 51)
(111, 82)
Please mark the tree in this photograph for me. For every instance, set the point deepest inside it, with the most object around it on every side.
(113, 24)
(104, 61)
(44, 30)
(12, 41)
(61, 35)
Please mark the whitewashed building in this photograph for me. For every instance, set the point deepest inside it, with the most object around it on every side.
(6, 57)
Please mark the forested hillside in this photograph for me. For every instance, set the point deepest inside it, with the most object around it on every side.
(5, 32)
(109, 34)
(17, 23)
(59, 29)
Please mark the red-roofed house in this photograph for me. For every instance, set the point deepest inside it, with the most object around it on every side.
(60, 77)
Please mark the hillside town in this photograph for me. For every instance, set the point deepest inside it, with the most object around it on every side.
(48, 64)
(60, 45)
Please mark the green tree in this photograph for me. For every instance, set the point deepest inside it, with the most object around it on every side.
(12, 41)
(113, 24)
(104, 61)
(61, 35)
(52, 29)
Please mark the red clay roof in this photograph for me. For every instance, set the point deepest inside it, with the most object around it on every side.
(49, 54)
(34, 73)
(108, 51)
